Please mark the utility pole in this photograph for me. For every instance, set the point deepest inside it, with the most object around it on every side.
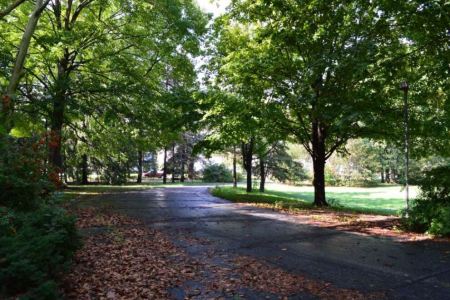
(405, 87)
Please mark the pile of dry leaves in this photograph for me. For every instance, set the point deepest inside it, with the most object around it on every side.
(125, 261)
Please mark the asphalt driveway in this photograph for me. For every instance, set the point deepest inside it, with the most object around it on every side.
(405, 270)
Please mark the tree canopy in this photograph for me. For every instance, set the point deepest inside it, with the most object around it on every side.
(104, 82)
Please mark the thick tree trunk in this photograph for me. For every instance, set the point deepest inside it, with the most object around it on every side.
(173, 163)
(84, 169)
(140, 165)
(319, 159)
(56, 126)
(319, 182)
(234, 168)
(247, 155)
(382, 175)
(249, 180)
(165, 166)
(262, 174)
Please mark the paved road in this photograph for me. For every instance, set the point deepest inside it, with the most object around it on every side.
(407, 270)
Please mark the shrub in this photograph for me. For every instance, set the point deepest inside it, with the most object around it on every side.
(35, 247)
(23, 182)
(331, 178)
(217, 173)
(431, 211)
(37, 238)
(115, 172)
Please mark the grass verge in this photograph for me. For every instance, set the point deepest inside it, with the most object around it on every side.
(277, 201)
(289, 201)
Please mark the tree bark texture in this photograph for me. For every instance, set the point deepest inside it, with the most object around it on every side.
(234, 168)
(140, 166)
(262, 174)
(84, 169)
(165, 166)
(247, 157)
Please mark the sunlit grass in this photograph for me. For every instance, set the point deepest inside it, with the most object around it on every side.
(386, 200)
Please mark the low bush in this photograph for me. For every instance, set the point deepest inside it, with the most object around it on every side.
(23, 182)
(115, 172)
(35, 247)
(431, 211)
(217, 173)
(37, 238)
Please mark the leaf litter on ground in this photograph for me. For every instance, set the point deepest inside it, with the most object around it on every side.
(133, 261)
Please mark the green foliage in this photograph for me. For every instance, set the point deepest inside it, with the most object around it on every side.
(431, 211)
(280, 165)
(287, 48)
(217, 173)
(22, 180)
(36, 238)
(331, 178)
(354, 179)
(106, 74)
(115, 172)
(35, 248)
(293, 172)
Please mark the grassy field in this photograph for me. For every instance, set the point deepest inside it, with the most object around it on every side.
(386, 200)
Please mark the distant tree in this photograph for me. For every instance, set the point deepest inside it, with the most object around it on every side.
(280, 165)
(216, 173)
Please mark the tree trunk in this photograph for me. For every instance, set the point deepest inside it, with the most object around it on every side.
(191, 168)
(165, 166)
(57, 122)
(140, 165)
(173, 163)
(8, 97)
(382, 175)
(247, 155)
(388, 176)
(249, 180)
(262, 174)
(319, 159)
(57, 117)
(84, 169)
(394, 175)
(183, 156)
(234, 168)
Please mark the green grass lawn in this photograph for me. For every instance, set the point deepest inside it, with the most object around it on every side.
(385, 200)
